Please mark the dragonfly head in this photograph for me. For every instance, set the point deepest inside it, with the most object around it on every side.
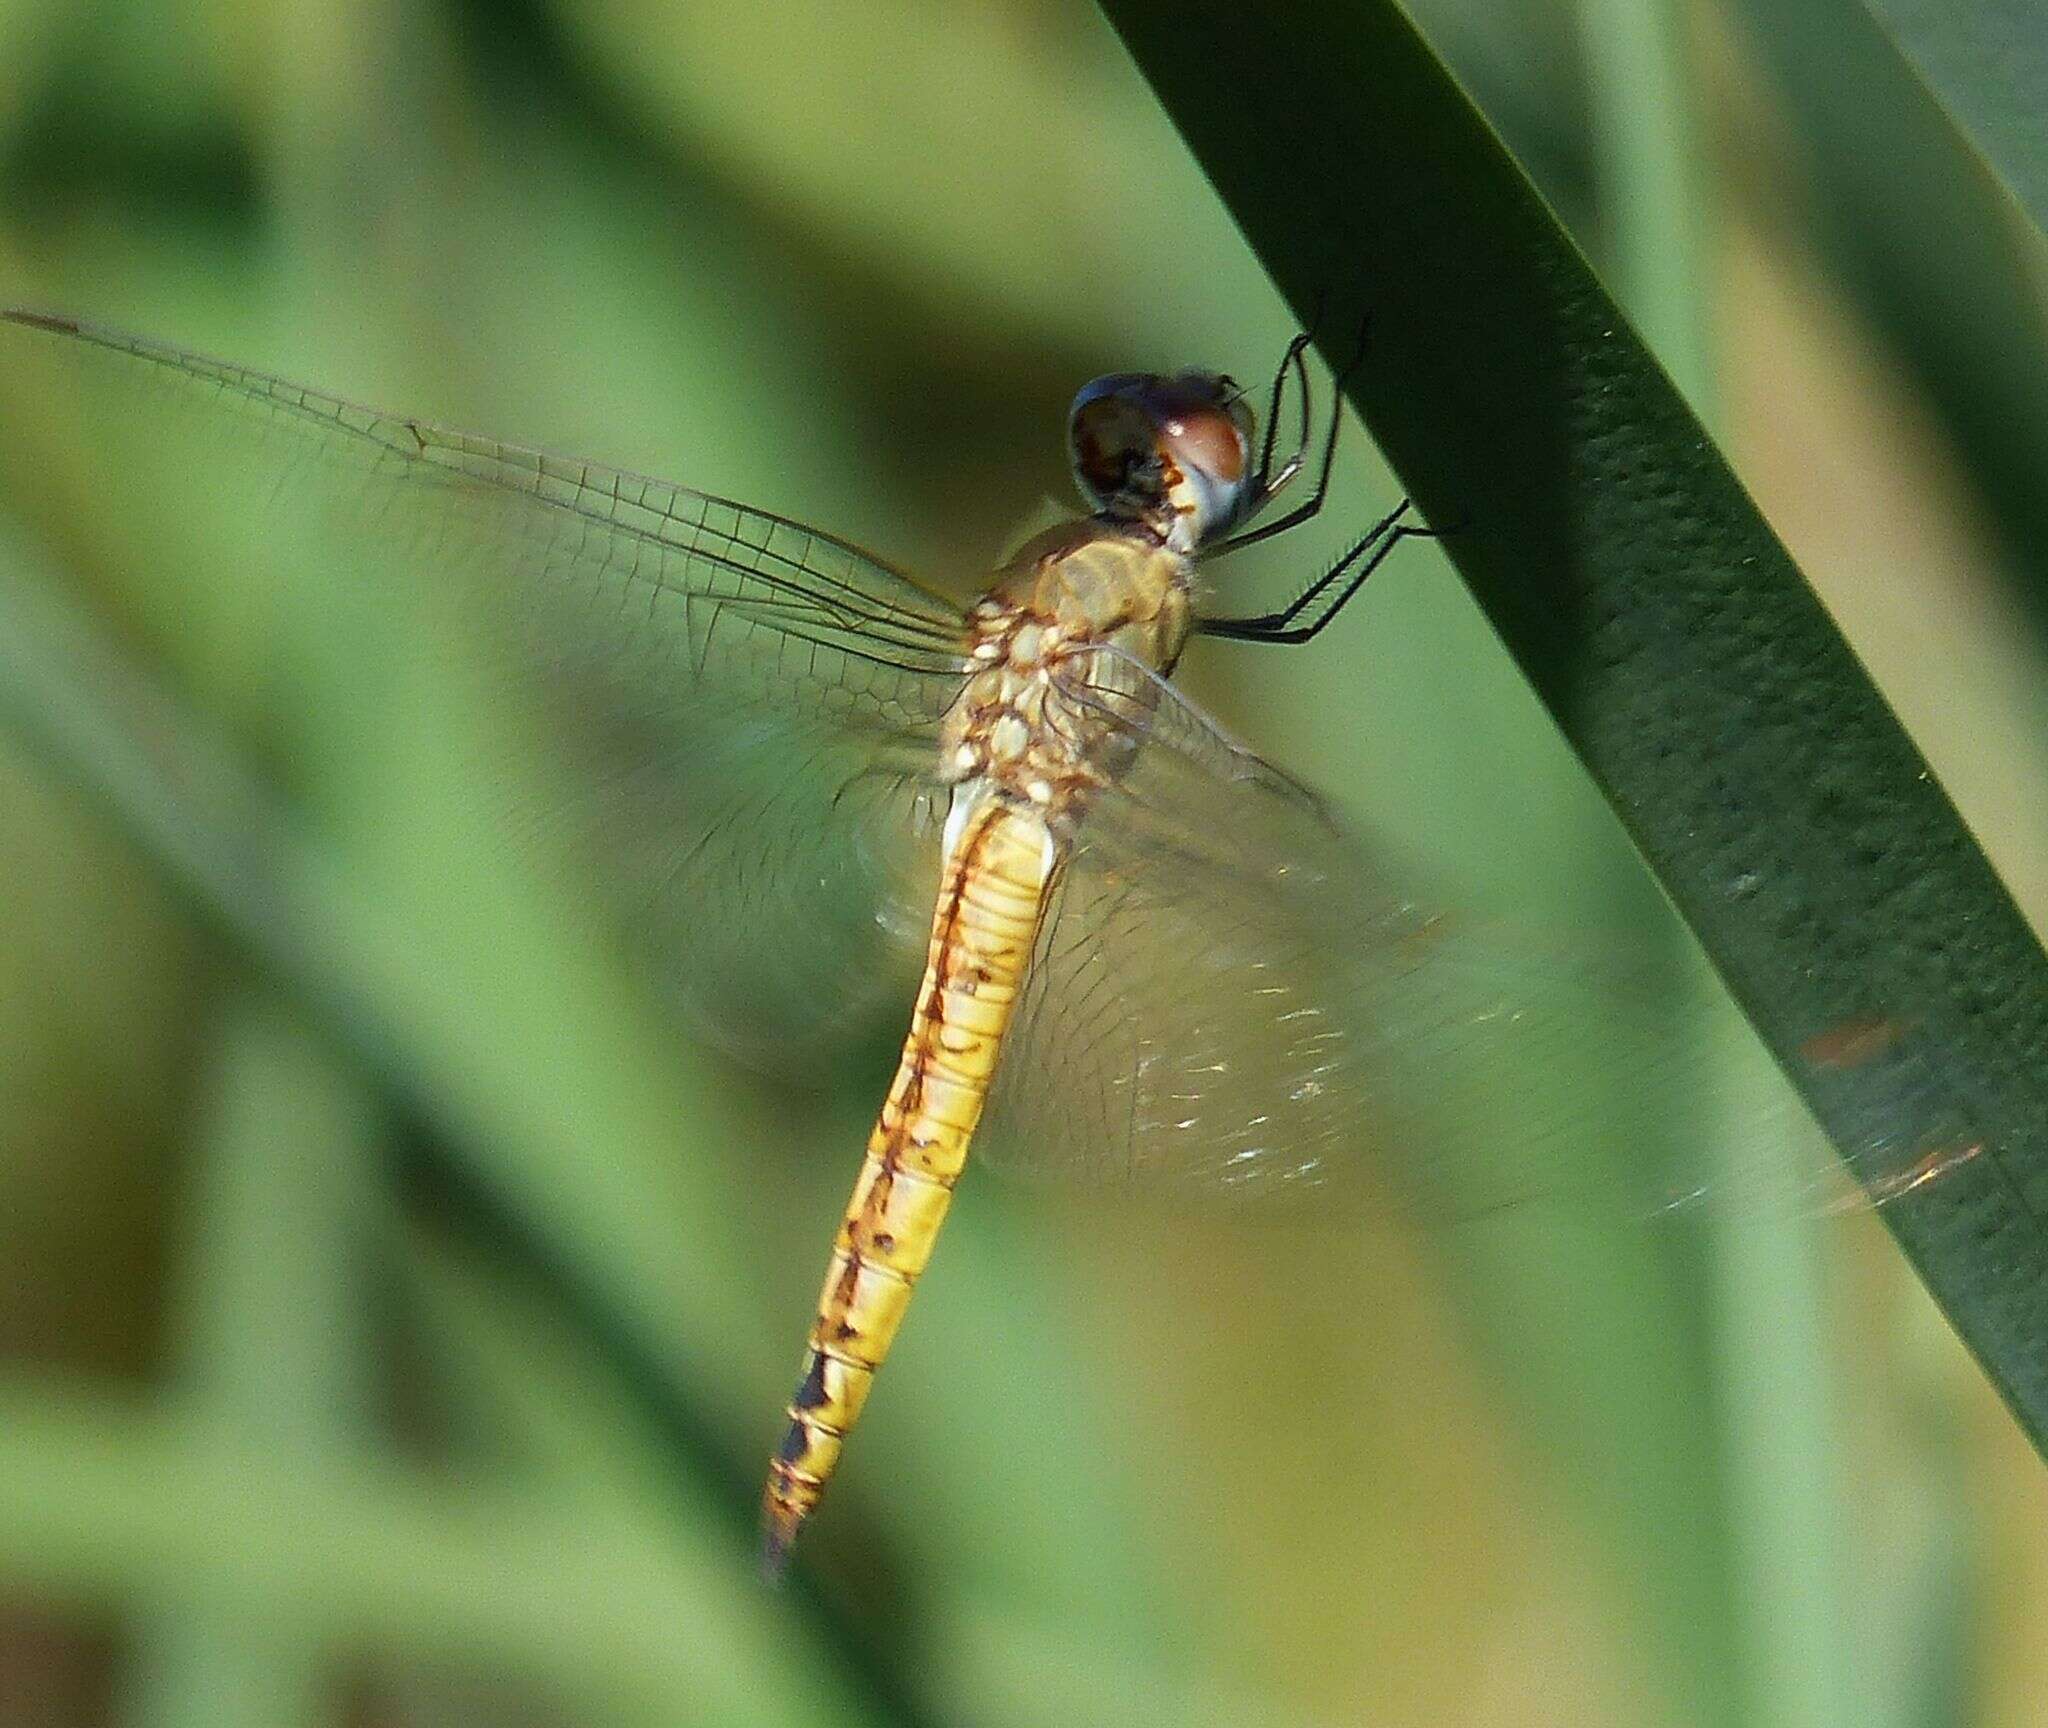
(1171, 451)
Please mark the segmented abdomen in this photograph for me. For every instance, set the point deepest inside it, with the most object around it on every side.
(998, 870)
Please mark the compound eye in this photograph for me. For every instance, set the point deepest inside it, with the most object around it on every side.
(1209, 441)
(1111, 434)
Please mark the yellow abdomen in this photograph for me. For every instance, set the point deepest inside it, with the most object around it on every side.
(999, 866)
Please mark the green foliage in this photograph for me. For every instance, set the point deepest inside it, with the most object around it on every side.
(444, 1291)
(1986, 65)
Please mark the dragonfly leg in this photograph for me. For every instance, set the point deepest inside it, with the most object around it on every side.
(1360, 560)
(1269, 482)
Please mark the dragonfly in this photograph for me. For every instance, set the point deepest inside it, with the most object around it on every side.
(1151, 958)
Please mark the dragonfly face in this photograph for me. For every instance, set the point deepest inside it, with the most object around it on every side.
(1175, 451)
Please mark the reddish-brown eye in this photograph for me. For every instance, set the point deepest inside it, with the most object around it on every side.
(1113, 436)
(1108, 435)
(1208, 441)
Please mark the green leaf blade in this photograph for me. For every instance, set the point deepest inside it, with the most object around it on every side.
(1986, 63)
(1762, 777)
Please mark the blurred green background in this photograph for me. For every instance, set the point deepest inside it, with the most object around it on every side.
(405, 1348)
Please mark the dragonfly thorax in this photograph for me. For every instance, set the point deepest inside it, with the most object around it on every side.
(1065, 649)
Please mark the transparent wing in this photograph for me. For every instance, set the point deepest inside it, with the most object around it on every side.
(1232, 996)
(741, 715)
(1179, 1028)
(739, 710)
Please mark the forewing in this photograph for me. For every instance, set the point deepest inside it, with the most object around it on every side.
(1182, 1028)
(735, 715)
(1232, 996)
